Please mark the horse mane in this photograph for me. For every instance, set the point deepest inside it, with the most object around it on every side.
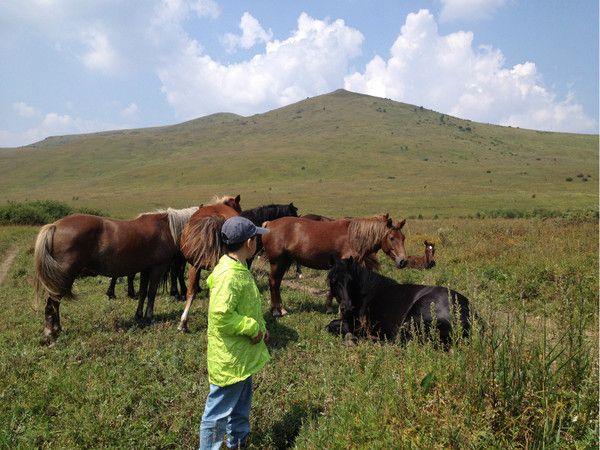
(217, 200)
(364, 233)
(201, 245)
(264, 213)
(177, 219)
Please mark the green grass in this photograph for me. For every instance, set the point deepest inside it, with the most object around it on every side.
(336, 154)
(529, 381)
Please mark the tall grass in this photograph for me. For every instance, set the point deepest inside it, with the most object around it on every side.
(528, 380)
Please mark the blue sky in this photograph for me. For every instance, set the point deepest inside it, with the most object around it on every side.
(76, 66)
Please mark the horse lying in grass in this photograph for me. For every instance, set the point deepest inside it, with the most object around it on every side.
(372, 305)
(427, 261)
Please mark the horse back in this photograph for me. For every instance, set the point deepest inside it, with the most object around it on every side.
(311, 243)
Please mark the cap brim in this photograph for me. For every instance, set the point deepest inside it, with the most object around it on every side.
(261, 230)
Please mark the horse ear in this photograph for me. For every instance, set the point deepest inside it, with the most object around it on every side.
(389, 222)
(426, 243)
(237, 198)
(401, 224)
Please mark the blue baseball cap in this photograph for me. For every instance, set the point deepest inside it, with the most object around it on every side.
(239, 229)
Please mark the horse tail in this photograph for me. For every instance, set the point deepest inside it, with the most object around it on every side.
(201, 241)
(49, 276)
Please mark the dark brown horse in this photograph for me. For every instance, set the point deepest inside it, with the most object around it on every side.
(201, 244)
(314, 243)
(85, 245)
(427, 261)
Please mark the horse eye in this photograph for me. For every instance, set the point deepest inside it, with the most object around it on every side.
(391, 238)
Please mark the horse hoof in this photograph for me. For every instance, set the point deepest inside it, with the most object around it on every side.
(299, 276)
(183, 328)
(349, 339)
(279, 312)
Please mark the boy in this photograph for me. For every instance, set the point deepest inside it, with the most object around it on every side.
(236, 338)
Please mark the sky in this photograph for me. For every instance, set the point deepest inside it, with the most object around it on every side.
(79, 66)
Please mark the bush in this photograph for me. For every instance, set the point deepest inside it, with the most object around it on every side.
(39, 212)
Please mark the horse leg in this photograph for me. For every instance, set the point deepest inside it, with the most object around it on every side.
(193, 285)
(52, 323)
(154, 278)
(298, 270)
(139, 314)
(181, 278)
(329, 303)
(110, 292)
(278, 268)
(130, 286)
(173, 272)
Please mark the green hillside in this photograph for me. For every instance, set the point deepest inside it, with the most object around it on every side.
(341, 154)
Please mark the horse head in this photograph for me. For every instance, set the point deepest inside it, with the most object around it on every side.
(393, 242)
(340, 278)
(293, 210)
(430, 254)
(233, 202)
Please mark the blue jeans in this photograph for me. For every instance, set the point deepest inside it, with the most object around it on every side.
(227, 410)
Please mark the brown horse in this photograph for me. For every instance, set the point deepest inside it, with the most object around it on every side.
(85, 245)
(201, 244)
(426, 261)
(314, 244)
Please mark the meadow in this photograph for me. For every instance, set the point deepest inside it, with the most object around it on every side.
(530, 380)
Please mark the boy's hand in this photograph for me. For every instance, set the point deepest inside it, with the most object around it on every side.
(258, 338)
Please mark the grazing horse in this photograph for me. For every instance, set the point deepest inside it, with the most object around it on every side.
(423, 262)
(85, 245)
(374, 305)
(314, 243)
(201, 244)
(262, 214)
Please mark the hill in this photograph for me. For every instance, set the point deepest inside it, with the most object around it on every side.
(341, 153)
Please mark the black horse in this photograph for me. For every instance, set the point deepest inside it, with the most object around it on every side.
(374, 305)
(262, 214)
(178, 288)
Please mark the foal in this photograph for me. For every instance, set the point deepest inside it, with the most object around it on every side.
(423, 262)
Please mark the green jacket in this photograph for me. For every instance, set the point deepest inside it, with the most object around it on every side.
(234, 318)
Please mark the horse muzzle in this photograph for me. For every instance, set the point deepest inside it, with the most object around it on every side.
(401, 263)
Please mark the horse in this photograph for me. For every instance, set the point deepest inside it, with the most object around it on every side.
(86, 245)
(201, 244)
(372, 305)
(314, 243)
(318, 218)
(423, 262)
(265, 213)
(177, 290)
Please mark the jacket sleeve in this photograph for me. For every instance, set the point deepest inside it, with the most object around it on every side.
(224, 311)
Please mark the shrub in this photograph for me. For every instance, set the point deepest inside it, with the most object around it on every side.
(39, 212)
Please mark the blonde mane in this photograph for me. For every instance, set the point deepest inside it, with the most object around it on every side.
(216, 200)
(177, 219)
(365, 233)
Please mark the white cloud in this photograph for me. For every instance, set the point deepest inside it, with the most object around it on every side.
(252, 33)
(130, 111)
(469, 9)
(55, 124)
(206, 8)
(447, 74)
(24, 110)
(313, 60)
(101, 55)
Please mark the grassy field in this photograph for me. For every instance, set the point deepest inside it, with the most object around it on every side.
(338, 154)
(529, 381)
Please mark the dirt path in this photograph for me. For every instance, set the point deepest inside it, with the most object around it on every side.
(8, 260)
